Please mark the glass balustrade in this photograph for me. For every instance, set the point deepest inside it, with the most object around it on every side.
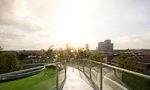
(108, 77)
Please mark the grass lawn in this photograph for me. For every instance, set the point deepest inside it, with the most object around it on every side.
(44, 80)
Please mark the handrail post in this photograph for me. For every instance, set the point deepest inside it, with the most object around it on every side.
(65, 69)
(57, 77)
(83, 66)
(73, 64)
(101, 77)
(90, 68)
(78, 64)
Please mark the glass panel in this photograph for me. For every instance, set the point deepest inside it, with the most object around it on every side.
(81, 64)
(112, 78)
(76, 63)
(135, 82)
(120, 80)
(61, 74)
(95, 74)
(87, 68)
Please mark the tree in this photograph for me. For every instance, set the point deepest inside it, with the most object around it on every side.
(87, 47)
(60, 54)
(81, 53)
(121, 62)
(1, 48)
(12, 61)
(130, 62)
(50, 55)
(22, 56)
(9, 62)
(96, 56)
(87, 51)
(127, 61)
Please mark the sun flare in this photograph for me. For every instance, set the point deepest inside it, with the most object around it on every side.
(75, 37)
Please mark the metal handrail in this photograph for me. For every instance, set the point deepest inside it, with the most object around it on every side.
(101, 71)
(21, 71)
(128, 71)
(121, 69)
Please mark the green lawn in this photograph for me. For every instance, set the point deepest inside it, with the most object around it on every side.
(44, 80)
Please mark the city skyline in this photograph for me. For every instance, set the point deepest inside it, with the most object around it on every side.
(36, 24)
(106, 46)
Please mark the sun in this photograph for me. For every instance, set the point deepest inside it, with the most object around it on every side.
(77, 43)
(76, 40)
(73, 29)
(75, 37)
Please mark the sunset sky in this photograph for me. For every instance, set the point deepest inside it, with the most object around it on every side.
(38, 24)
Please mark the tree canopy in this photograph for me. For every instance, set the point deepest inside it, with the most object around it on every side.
(9, 62)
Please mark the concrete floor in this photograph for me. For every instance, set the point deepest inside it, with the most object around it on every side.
(75, 82)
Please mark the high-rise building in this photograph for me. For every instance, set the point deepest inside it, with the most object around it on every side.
(100, 46)
(105, 46)
(111, 47)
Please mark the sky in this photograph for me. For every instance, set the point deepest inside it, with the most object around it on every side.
(38, 24)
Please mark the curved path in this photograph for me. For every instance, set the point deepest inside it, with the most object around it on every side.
(75, 82)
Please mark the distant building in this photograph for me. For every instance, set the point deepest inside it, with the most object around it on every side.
(96, 48)
(33, 52)
(105, 46)
(108, 59)
(101, 46)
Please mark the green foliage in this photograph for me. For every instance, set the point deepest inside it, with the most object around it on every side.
(86, 47)
(121, 62)
(69, 53)
(9, 62)
(50, 55)
(81, 53)
(96, 56)
(60, 55)
(1, 48)
(22, 56)
(131, 62)
(127, 61)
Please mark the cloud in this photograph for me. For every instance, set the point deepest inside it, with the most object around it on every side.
(10, 33)
(12, 38)
(13, 13)
(17, 25)
(32, 24)
(136, 41)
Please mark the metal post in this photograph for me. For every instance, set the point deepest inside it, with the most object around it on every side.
(101, 77)
(57, 77)
(73, 65)
(78, 64)
(90, 68)
(83, 66)
(65, 69)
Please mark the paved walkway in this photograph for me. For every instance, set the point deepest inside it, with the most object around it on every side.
(74, 82)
